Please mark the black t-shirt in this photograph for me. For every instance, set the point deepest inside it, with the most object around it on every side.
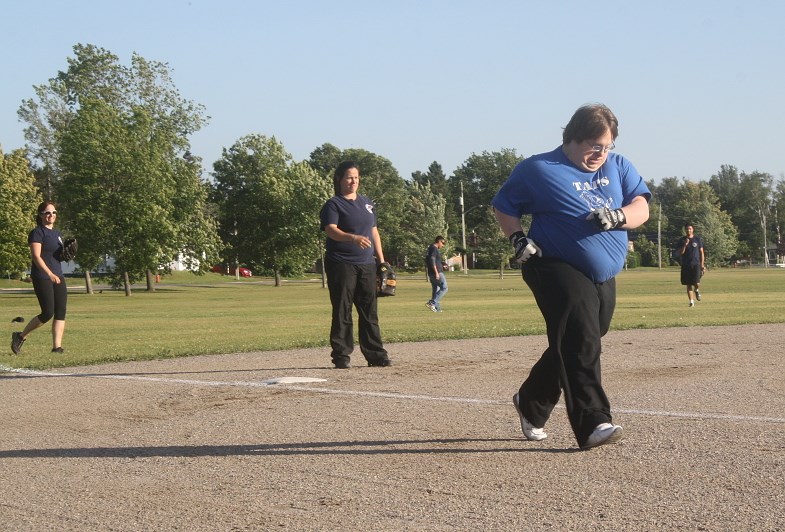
(357, 217)
(51, 246)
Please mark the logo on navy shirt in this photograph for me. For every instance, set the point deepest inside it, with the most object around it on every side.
(369, 207)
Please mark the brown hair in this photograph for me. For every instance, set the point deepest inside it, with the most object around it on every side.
(590, 122)
(38, 218)
(340, 172)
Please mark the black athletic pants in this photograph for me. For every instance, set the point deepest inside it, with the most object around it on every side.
(354, 285)
(577, 315)
(52, 298)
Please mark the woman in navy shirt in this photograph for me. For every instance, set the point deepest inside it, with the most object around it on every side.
(46, 245)
(353, 251)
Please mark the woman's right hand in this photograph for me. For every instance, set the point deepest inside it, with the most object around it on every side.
(362, 241)
(55, 279)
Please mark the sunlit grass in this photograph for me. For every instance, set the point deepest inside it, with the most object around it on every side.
(189, 315)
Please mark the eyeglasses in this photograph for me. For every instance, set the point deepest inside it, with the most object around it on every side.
(599, 148)
(48, 213)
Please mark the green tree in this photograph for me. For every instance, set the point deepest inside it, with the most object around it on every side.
(779, 219)
(647, 250)
(115, 141)
(699, 205)
(480, 177)
(19, 199)
(749, 199)
(269, 206)
(424, 220)
(437, 180)
(491, 247)
(725, 184)
(753, 217)
(92, 73)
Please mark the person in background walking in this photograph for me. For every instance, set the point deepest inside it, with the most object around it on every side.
(435, 268)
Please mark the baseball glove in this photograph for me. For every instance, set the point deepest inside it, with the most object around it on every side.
(385, 280)
(70, 248)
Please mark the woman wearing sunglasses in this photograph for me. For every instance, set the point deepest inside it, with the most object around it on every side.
(46, 246)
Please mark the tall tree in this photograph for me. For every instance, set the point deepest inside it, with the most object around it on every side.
(779, 219)
(115, 140)
(699, 205)
(754, 217)
(19, 198)
(749, 199)
(269, 206)
(480, 177)
(725, 184)
(437, 180)
(424, 221)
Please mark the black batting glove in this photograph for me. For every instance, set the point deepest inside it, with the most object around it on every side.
(524, 247)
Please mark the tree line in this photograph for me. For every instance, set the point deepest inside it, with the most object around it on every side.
(109, 144)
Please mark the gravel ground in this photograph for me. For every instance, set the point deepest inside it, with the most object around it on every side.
(432, 443)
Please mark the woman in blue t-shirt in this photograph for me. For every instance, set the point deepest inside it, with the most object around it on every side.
(582, 198)
(353, 251)
(46, 246)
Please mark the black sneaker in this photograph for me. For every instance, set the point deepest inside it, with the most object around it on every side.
(16, 342)
(386, 362)
(341, 364)
(58, 350)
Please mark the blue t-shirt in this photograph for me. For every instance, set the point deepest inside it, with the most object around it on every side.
(51, 246)
(357, 217)
(560, 196)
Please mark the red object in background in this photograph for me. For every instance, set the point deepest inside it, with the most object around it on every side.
(244, 272)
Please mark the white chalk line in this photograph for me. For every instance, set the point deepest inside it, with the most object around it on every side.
(277, 382)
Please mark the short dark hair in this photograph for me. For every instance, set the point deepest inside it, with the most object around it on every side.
(590, 122)
(438, 239)
(340, 172)
(689, 225)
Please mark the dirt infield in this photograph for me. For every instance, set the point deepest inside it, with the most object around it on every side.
(432, 443)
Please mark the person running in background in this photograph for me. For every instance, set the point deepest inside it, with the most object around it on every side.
(693, 262)
(46, 246)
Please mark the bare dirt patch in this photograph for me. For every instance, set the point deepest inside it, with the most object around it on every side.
(432, 443)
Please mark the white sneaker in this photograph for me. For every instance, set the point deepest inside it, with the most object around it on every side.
(530, 431)
(604, 433)
(692, 303)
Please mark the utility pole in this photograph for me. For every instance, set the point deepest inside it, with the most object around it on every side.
(659, 236)
(463, 234)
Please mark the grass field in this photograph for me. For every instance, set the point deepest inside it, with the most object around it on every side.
(190, 315)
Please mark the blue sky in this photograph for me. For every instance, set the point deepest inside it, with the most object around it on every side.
(695, 84)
